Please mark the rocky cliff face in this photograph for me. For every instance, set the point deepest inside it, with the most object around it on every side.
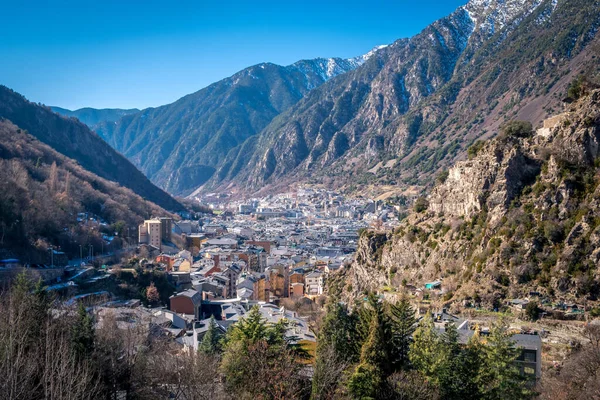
(489, 182)
(523, 214)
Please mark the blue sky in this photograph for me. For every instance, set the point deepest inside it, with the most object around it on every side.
(127, 54)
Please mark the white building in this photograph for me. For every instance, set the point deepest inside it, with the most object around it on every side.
(314, 283)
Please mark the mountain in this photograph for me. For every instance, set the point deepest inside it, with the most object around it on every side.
(415, 106)
(75, 140)
(521, 215)
(92, 116)
(180, 145)
(42, 192)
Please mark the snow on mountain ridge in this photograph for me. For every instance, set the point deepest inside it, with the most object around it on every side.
(490, 16)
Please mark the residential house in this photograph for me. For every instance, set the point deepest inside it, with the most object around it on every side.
(181, 265)
(314, 283)
(296, 284)
(187, 302)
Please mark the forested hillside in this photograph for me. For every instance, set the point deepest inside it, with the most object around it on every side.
(76, 141)
(92, 117)
(42, 192)
(180, 145)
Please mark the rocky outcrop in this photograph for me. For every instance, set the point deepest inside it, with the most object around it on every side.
(488, 182)
(523, 214)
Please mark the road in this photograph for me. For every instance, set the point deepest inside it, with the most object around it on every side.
(78, 261)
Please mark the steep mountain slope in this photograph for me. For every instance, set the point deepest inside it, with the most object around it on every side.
(521, 215)
(180, 145)
(92, 116)
(42, 192)
(410, 108)
(73, 139)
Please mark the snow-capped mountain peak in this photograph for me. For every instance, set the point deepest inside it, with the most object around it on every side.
(359, 60)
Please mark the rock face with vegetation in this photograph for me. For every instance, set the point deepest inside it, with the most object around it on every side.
(521, 214)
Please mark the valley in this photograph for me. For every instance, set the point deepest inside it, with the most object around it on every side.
(418, 222)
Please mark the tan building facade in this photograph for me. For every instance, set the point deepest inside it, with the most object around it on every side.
(150, 233)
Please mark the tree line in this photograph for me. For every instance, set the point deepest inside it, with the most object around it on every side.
(379, 350)
(371, 350)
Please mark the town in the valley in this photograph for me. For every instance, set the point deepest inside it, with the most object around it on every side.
(276, 253)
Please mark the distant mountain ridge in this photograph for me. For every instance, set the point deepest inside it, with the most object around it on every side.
(93, 116)
(180, 145)
(75, 140)
(411, 108)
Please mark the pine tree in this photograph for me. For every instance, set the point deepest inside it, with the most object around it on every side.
(365, 382)
(255, 352)
(426, 350)
(403, 323)
(458, 370)
(374, 362)
(374, 308)
(339, 331)
(211, 341)
(82, 334)
(336, 349)
(252, 328)
(500, 378)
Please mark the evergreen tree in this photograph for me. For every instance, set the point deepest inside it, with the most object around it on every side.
(255, 353)
(82, 334)
(375, 309)
(365, 382)
(403, 323)
(339, 331)
(211, 341)
(500, 378)
(426, 350)
(253, 328)
(458, 370)
(336, 349)
(370, 374)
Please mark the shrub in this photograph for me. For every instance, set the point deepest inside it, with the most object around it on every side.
(442, 176)
(553, 231)
(532, 311)
(421, 204)
(520, 129)
(474, 149)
